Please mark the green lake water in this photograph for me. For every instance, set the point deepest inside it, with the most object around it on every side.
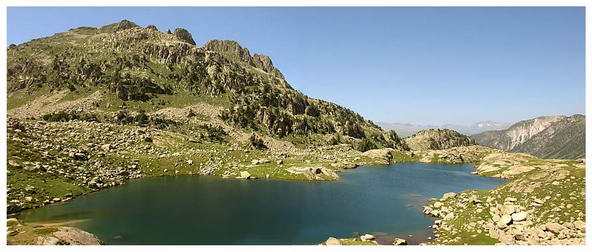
(382, 200)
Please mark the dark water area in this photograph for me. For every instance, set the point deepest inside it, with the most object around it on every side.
(381, 200)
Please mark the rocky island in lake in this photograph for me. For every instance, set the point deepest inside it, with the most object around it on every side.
(158, 122)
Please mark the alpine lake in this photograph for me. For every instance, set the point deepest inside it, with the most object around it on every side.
(385, 201)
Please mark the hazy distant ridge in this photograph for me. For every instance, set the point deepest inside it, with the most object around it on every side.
(408, 129)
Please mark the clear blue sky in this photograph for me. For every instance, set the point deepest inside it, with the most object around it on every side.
(407, 65)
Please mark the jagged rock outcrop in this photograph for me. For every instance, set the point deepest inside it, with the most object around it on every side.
(544, 137)
(437, 139)
(234, 51)
(230, 49)
(184, 35)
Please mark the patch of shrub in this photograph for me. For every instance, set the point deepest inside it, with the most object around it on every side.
(257, 142)
(365, 145)
(191, 113)
(63, 116)
(334, 140)
(142, 119)
(213, 133)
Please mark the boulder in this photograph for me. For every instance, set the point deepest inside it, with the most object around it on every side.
(399, 241)
(106, 147)
(508, 209)
(367, 237)
(259, 161)
(506, 219)
(520, 216)
(333, 241)
(330, 173)
(29, 188)
(11, 222)
(449, 195)
(244, 175)
(510, 199)
(554, 227)
(449, 216)
(580, 225)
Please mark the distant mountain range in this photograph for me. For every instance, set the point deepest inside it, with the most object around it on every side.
(407, 129)
(545, 137)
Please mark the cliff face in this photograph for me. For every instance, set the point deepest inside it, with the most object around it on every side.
(545, 137)
(234, 51)
(437, 139)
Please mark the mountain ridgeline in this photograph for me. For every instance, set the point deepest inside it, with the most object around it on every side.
(562, 137)
(136, 64)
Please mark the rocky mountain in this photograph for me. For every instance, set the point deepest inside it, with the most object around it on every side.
(135, 65)
(545, 137)
(437, 139)
(92, 108)
(408, 129)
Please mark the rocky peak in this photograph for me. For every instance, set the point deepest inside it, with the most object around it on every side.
(230, 49)
(545, 137)
(184, 35)
(119, 26)
(520, 132)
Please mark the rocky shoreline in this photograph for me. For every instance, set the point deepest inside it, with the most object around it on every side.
(543, 203)
(48, 234)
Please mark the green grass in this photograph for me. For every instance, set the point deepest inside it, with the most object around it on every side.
(79, 93)
(402, 157)
(45, 230)
(355, 241)
(19, 98)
